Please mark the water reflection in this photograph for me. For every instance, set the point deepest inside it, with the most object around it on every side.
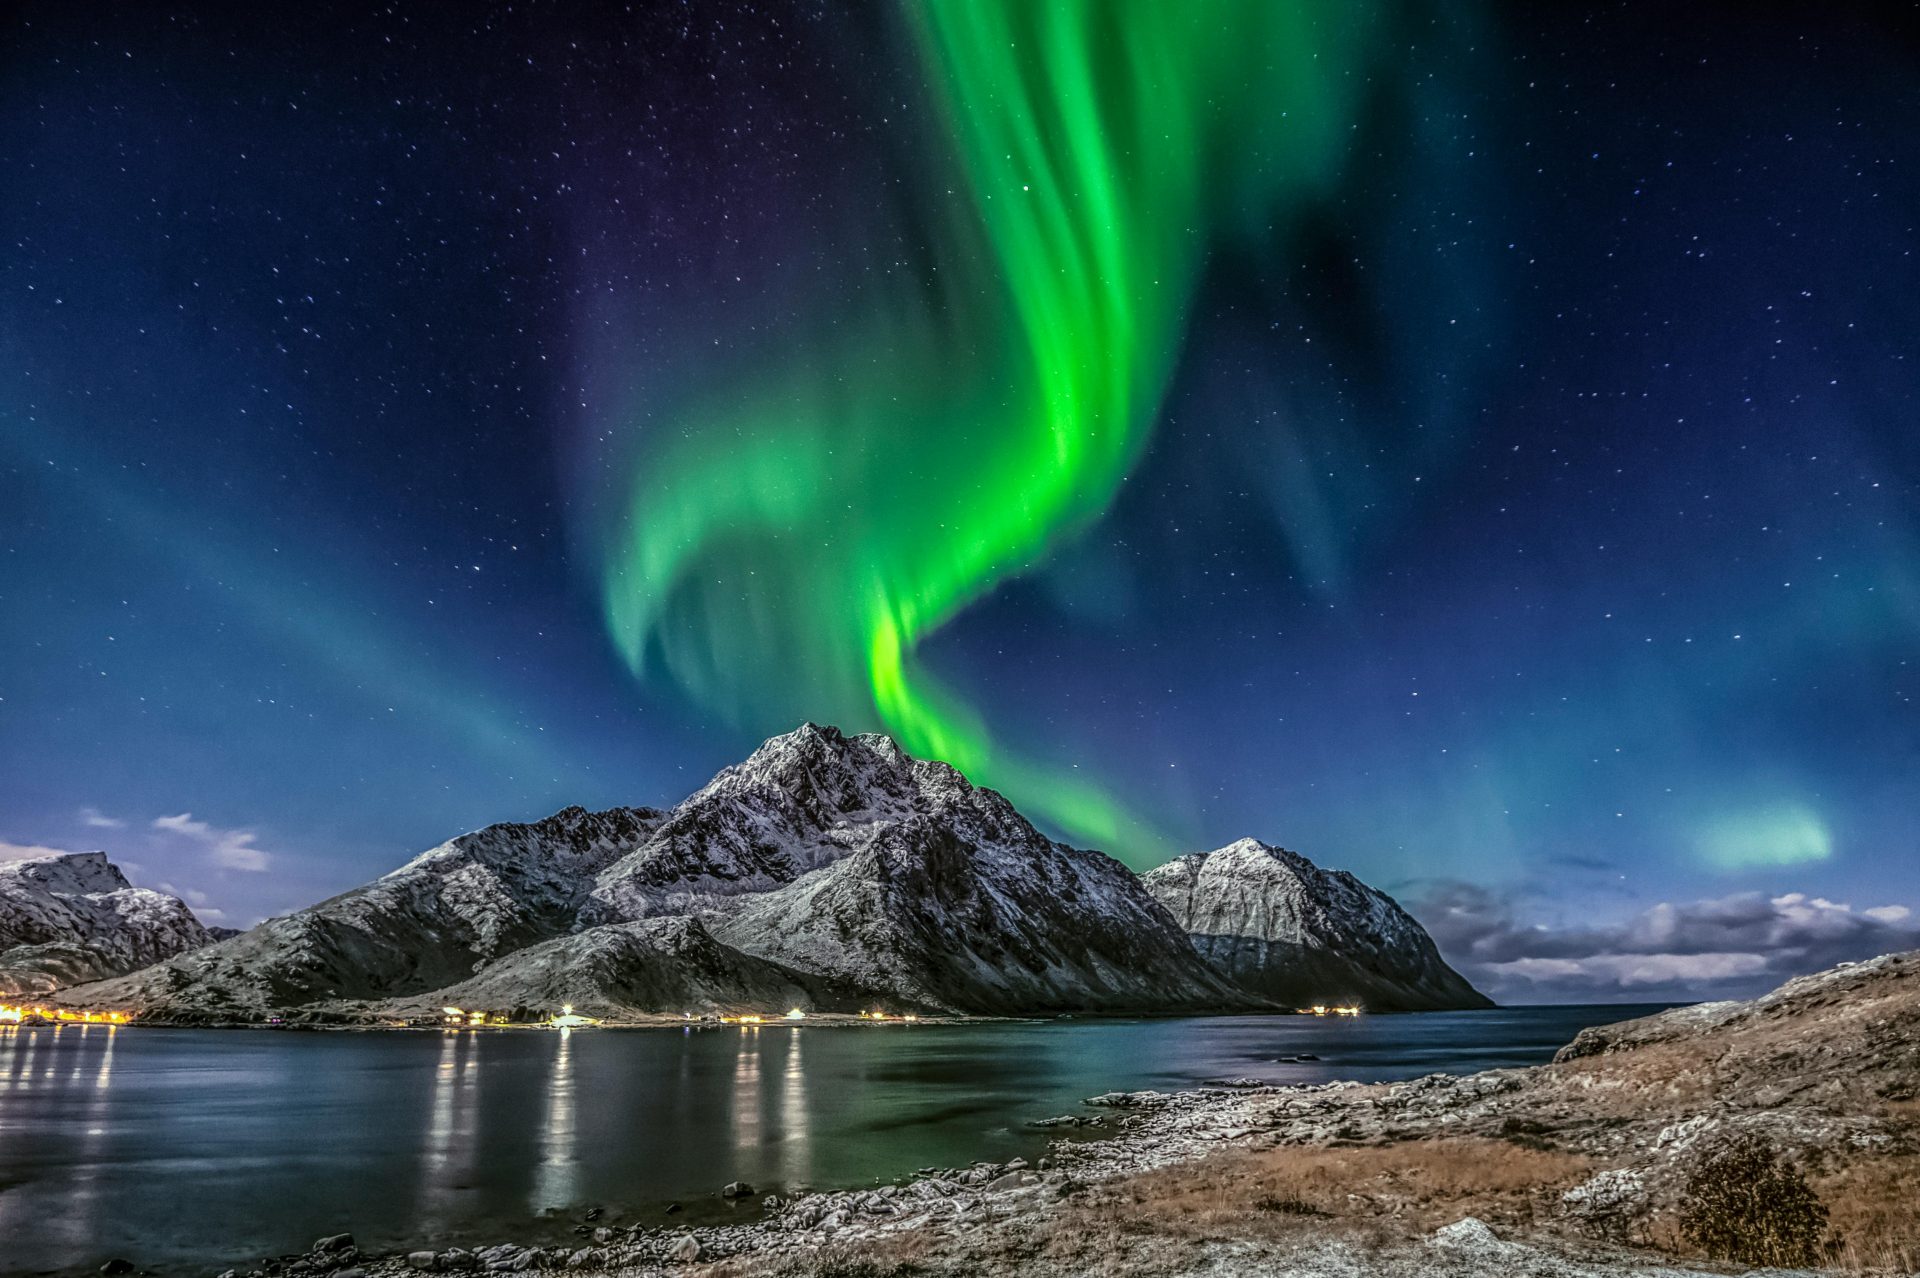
(277, 1139)
(796, 1147)
(104, 1075)
(746, 1091)
(556, 1183)
(447, 1153)
(85, 1202)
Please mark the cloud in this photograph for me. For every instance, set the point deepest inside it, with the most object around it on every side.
(27, 851)
(229, 849)
(192, 896)
(1724, 947)
(198, 900)
(98, 820)
(1626, 971)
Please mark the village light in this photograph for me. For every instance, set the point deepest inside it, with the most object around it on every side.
(19, 1013)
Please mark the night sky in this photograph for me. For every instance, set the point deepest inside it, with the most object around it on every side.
(1472, 446)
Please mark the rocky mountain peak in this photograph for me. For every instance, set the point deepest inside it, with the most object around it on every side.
(823, 869)
(803, 800)
(1279, 925)
(829, 774)
(69, 873)
(572, 841)
(73, 917)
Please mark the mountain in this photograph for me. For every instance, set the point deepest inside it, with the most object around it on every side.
(825, 871)
(1006, 927)
(73, 917)
(848, 857)
(799, 803)
(1279, 926)
(648, 965)
(431, 923)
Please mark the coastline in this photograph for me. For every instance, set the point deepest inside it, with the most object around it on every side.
(977, 1216)
(1576, 1167)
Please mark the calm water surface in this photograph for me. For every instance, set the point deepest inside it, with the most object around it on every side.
(194, 1150)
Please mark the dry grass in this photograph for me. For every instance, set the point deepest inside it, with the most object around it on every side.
(904, 1256)
(1154, 1223)
(1873, 1205)
(1423, 1183)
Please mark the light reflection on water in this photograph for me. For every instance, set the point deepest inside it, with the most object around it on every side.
(745, 1109)
(557, 1184)
(195, 1150)
(795, 1166)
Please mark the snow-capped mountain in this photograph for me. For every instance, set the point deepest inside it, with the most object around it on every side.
(825, 871)
(73, 917)
(428, 924)
(800, 802)
(1279, 926)
(848, 857)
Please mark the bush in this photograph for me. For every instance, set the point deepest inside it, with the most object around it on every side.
(1287, 1206)
(1744, 1203)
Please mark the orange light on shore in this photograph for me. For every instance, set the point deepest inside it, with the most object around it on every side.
(11, 1014)
(1325, 1009)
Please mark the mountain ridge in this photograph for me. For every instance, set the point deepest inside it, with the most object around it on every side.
(1280, 926)
(73, 917)
(836, 869)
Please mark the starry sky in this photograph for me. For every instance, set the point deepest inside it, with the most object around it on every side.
(1469, 444)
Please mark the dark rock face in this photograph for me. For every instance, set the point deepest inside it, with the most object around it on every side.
(73, 917)
(1279, 926)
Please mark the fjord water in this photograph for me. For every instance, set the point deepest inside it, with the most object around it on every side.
(196, 1150)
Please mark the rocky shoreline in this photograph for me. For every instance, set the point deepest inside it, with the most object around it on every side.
(1142, 1131)
(1608, 1132)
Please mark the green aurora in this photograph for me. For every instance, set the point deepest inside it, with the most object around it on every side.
(788, 542)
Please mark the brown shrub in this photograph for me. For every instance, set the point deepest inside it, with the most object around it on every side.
(1744, 1203)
